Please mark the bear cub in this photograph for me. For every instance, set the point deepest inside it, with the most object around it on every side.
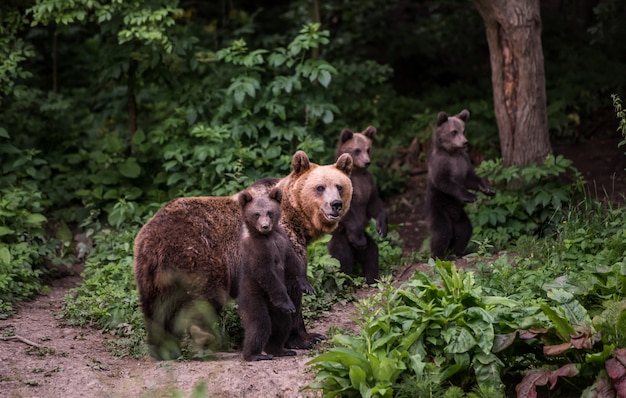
(267, 254)
(451, 176)
(350, 243)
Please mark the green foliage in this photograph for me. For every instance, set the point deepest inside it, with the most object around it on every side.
(330, 284)
(621, 117)
(108, 297)
(27, 251)
(541, 193)
(424, 330)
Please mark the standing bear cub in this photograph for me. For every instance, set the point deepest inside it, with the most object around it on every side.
(264, 303)
(451, 176)
(350, 243)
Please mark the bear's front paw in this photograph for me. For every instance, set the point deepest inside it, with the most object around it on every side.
(470, 197)
(382, 230)
(287, 307)
(305, 285)
(488, 191)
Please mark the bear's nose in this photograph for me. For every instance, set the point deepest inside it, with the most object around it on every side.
(336, 205)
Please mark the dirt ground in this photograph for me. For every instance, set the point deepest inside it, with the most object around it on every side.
(49, 360)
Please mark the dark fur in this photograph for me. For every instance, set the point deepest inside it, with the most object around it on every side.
(188, 257)
(350, 243)
(264, 305)
(451, 176)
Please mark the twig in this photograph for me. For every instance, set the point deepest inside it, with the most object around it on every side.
(22, 339)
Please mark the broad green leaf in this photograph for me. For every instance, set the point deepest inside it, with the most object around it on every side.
(6, 231)
(130, 168)
(357, 376)
(35, 219)
(459, 340)
(324, 78)
(5, 255)
(487, 370)
(563, 328)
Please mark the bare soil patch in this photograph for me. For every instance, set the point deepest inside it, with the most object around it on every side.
(76, 362)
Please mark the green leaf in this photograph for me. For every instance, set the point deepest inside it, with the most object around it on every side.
(324, 78)
(35, 219)
(130, 168)
(357, 376)
(563, 328)
(4, 133)
(5, 255)
(459, 340)
(6, 231)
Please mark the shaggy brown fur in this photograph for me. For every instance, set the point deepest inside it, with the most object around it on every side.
(350, 243)
(451, 176)
(188, 258)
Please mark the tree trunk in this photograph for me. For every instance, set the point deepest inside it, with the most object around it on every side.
(517, 75)
(132, 102)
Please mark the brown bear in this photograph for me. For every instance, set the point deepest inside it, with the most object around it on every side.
(264, 305)
(188, 254)
(451, 176)
(350, 243)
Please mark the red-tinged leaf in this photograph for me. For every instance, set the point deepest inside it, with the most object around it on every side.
(531, 333)
(620, 355)
(582, 340)
(527, 387)
(556, 349)
(502, 341)
(603, 388)
(569, 370)
(615, 369)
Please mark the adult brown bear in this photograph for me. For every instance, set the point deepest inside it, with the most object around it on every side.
(188, 254)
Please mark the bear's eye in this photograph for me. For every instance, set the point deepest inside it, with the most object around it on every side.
(257, 215)
(320, 188)
(357, 152)
(454, 133)
(340, 188)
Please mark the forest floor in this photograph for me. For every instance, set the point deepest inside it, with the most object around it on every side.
(51, 360)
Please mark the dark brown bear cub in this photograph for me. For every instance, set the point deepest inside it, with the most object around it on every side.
(350, 243)
(451, 176)
(264, 303)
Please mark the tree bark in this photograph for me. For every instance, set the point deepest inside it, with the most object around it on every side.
(513, 30)
(132, 103)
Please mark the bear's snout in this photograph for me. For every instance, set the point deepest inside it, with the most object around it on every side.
(336, 205)
(265, 226)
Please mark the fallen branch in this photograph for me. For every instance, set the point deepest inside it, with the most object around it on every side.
(22, 339)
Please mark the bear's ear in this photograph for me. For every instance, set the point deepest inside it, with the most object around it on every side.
(300, 162)
(276, 194)
(464, 115)
(346, 134)
(369, 132)
(441, 118)
(344, 163)
(244, 198)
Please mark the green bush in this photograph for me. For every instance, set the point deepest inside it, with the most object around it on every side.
(528, 201)
(444, 333)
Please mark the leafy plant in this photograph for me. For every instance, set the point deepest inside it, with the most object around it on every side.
(531, 208)
(571, 348)
(444, 333)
